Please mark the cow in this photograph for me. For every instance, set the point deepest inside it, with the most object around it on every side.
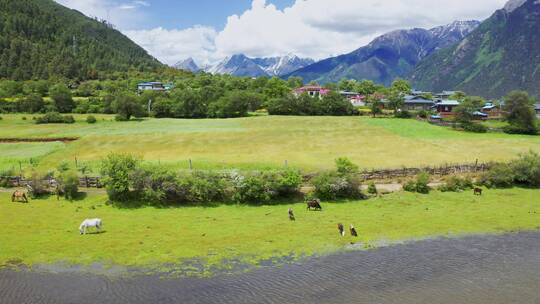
(291, 215)
(353, 231)
(341, 229)
(477, 191)
(314, 204)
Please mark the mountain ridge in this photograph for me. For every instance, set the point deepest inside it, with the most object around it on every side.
(388, 56)
(501, 55)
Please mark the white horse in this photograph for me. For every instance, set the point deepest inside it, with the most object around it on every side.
(90, 223)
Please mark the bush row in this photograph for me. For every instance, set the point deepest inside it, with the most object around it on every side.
(127, 179)
(524, 171)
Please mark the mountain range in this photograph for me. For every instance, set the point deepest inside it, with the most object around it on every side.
(503, 54)
(389, 56)
(40, 39)
(243, 66)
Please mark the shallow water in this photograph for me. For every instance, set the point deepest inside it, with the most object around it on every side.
(478, 269)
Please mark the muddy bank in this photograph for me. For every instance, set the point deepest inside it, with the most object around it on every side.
(37, 140)
(478, 269)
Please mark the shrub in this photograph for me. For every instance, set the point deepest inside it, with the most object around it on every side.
(253, 188)
(372, 189)
(423, 114)
(263, 187)
(499, 176)
(456, 184)
(403, 114)
(54, 117)
(526, 169)
(116, 170)
(419, 185)
(331, 186)
(345, 167)
(474, 127)
(119, 117)
(91, 119)
(24, 118)
(69, 182)
(39, 185)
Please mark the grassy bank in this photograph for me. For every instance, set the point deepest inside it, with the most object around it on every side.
(46, 231)
(309, 143)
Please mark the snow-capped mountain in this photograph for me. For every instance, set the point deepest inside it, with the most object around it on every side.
(277, 66)
(387, 57)
(187, 65)
(241, 65)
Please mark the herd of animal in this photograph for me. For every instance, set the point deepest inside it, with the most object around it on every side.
(313, 204)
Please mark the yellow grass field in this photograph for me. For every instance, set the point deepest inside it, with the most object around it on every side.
(308, 143)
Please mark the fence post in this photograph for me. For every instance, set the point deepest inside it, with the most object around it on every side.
(286, 164)
(190, 164)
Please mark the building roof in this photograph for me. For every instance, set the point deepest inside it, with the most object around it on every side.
(410, 99)
(478, 113)
(448, 103)
(537, 106)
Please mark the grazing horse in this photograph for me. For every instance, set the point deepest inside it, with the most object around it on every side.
(90, 223)
(314, 204)
(353, 231)
(477, 191)
(291, 215)
(341, 229)
(19, 196)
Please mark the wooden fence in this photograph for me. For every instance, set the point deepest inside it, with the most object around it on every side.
(443, 170)
(376, 174)
(19, 181)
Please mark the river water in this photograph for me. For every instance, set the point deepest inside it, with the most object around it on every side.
(476, 269)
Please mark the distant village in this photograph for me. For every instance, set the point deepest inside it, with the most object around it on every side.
(441, 104)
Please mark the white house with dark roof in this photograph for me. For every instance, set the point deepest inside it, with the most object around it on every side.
(445, 108)
(537, 109)
(417, 103)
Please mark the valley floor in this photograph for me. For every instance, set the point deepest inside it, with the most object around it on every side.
(308, 143)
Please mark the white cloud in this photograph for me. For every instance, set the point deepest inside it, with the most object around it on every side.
(170, 46)
(319, 28)
(310, 28)
(124, 14)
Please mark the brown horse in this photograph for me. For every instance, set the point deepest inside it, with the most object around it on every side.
(477, 191)
(314, 204)
(19, 196)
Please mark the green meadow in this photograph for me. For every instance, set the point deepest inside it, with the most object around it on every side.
(308, 143)
(46, 231)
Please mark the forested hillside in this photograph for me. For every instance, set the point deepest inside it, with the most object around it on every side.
(40, 39)
(503, 54)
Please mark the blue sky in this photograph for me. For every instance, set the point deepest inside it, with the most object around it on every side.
(210, 30)
(187, 13)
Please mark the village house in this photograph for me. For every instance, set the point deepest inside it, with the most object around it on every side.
(313, 91)
(356, 99)
(445, 108)
(417, 103)
(420, 93)
(444, 95)
(492, 110)
(537, 109)
(153, 86)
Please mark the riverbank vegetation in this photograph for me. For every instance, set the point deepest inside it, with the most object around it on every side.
(46, 230)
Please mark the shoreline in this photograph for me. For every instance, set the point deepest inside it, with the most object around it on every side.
(439, 270)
